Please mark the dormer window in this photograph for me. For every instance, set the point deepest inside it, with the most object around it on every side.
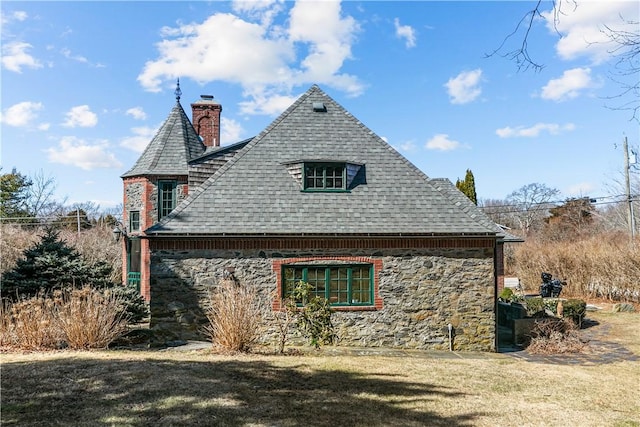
(324, 176)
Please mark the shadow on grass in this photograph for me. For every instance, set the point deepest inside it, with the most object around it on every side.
(93, 392)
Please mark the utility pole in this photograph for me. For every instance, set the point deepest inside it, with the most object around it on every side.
(627, 166)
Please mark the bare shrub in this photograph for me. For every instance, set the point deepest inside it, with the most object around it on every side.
(13, 241)
(555, 336)
(90, 319)
(30, 324)
(234, 316)
(97, 245)
(600, 266)
(284, 318)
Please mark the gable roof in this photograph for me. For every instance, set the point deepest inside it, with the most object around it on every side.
(255, 193)
(171, 148)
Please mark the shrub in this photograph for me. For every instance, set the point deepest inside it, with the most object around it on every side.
(234, 316)
(90, 319)
(284, 318)
(574, 309)
(51, 264)
(30, 324)
(314, 318)
(77, 318)
(130, 302)
(552, 336)
(534, 305)
(506, 295)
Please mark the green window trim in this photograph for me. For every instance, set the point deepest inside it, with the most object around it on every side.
(324, 176)
(340, 284)
(166, 198)
(134, 221)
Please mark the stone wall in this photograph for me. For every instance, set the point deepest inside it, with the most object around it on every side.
(422, 291)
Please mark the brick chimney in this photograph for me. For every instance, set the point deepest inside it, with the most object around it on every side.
(205, 114)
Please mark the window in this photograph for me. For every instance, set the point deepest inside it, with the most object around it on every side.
(166, 198)
(134, 221)
(341, 284)
(324, 176)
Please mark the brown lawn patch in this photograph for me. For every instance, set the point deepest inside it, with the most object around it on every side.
(161, 388)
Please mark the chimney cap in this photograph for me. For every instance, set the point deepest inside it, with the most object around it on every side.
(207, 97)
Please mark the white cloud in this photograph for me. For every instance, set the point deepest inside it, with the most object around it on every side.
(67, 54)
(464, 88)
(141, 137)
(535, 130)
(408, 146)
(73, 151)
(23, 114)
(266, 60)
(266, 103)
(18, 15)
(263, 10)
(568, 86)
(230, 131)
(405, 32)
(580, 189)
(80, 116)
(15, 57)
(582, 23)
(442, 142)
(137, 113)
(79, 58)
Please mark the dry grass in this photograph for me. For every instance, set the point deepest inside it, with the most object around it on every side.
(601, 266)
(234, 316)
(154, 388)
(90, 318)
(76, 318)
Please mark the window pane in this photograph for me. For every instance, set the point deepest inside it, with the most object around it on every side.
(361, 285)
(316, 278)
(339, 291)
(166, 198)
(134, 220)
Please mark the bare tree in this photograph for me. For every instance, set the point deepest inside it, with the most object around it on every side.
(531, 205)
(41, 195)
(626, 72)
(625, 50)
(499, 210)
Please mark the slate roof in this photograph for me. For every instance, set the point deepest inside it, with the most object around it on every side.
(459, 199)
(169, 151)
(255, 193)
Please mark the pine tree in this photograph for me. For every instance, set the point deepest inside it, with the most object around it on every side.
(468, 187)
(52, 264)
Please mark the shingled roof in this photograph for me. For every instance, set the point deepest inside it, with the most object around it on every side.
(169, 151)
(256, 192)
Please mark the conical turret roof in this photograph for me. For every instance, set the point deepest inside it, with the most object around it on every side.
(171, 149)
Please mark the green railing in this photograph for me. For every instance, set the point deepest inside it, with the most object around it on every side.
(133, 279)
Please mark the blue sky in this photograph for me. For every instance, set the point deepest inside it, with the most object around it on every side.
(85, 85)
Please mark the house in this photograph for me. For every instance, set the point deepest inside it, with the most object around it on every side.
(316, 196)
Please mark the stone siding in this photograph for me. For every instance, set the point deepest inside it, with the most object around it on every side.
(422, 292)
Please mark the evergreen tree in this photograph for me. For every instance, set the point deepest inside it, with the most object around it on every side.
(14, 191)
(52, 264)
(468, 187)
